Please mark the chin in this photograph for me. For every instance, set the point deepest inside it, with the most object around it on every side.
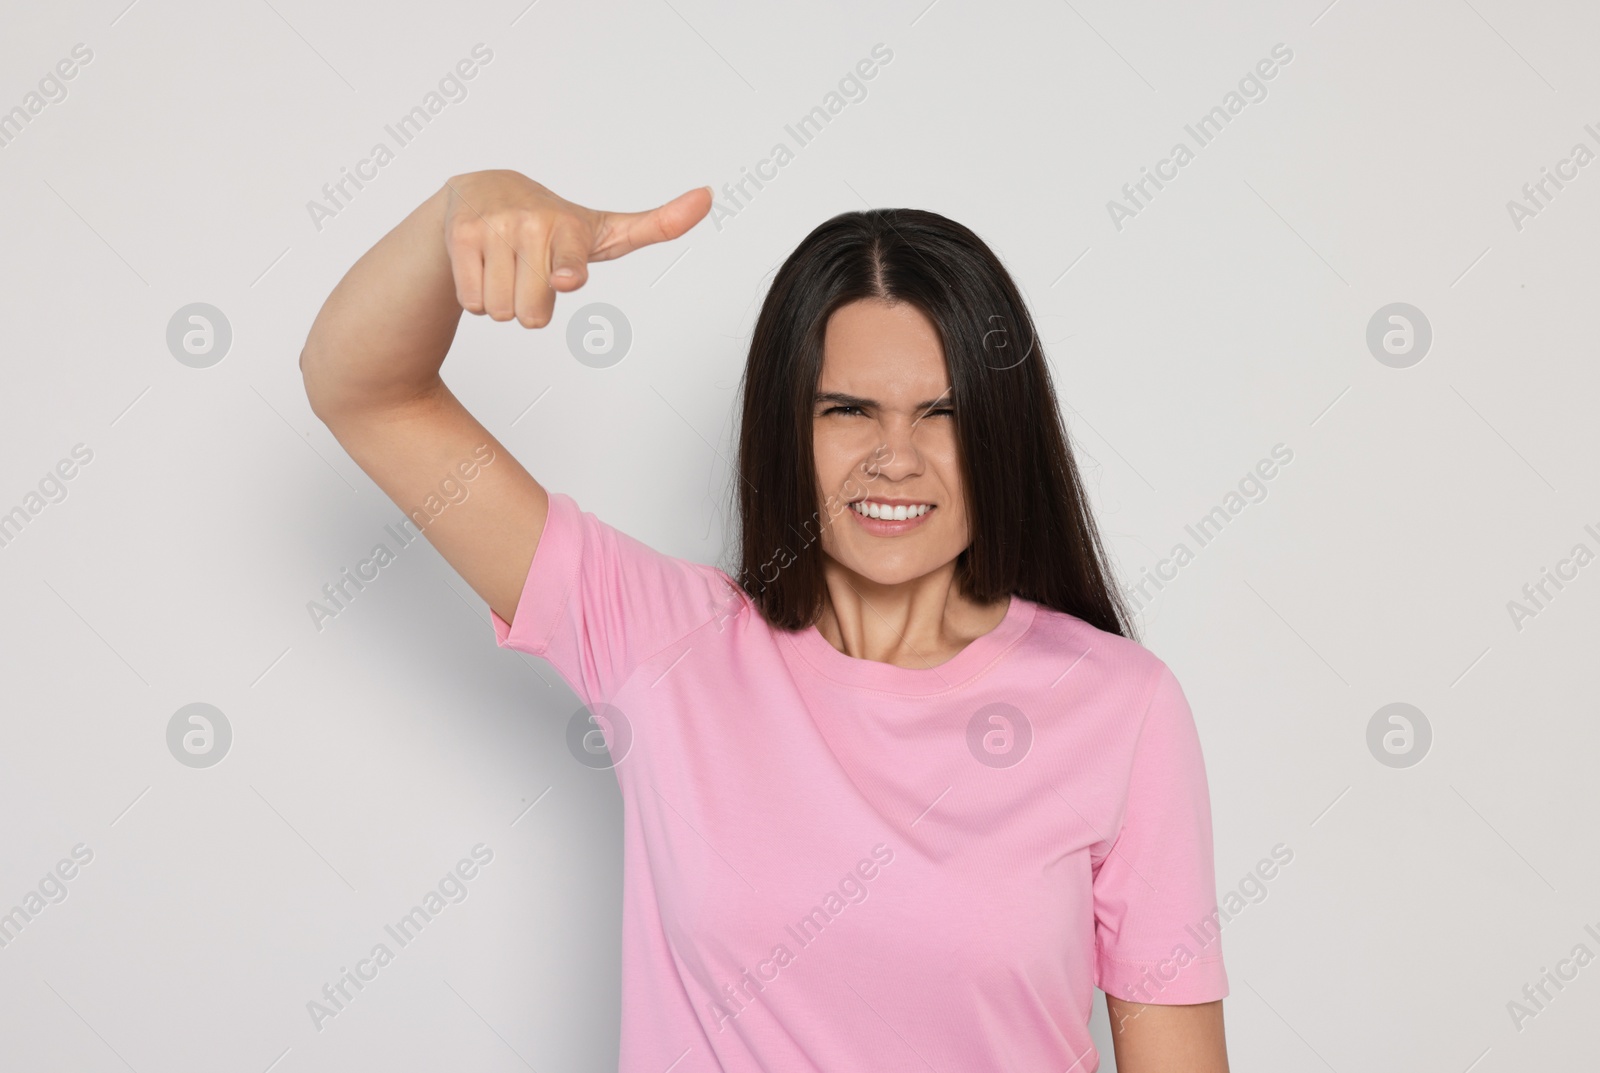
(886, 571)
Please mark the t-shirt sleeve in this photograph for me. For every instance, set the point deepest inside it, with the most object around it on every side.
(597, 603)
(1157, 930)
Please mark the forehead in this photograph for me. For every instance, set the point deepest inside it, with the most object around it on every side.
(881, 350)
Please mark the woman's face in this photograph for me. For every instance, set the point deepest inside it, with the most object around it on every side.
(883, 427)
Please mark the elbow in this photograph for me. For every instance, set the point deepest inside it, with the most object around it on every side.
(306, 379)
(316, 395)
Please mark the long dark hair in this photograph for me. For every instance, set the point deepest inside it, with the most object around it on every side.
(1032, 533)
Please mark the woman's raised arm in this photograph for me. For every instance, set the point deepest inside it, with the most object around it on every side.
(489, 242)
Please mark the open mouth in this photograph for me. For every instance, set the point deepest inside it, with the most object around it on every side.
(890, 518)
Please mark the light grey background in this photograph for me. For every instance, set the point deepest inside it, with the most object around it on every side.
(1229, 316)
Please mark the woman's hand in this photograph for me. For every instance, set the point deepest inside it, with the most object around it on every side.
(513, 243)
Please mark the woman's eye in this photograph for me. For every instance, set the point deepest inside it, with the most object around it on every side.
(841, 409)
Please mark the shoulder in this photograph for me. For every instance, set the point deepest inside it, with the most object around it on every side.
(1116, 674)
(599, 602)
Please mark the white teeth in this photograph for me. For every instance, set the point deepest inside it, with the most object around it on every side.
(897, 514)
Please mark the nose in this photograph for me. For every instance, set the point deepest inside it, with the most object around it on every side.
(896, 456)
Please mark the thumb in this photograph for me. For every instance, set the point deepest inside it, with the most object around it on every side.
(624, 232)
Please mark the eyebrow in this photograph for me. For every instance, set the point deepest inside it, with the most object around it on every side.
(857, 401)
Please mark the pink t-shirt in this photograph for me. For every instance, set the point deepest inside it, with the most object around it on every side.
(839, 864)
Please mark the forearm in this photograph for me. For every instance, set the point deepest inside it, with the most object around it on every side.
(384, 331)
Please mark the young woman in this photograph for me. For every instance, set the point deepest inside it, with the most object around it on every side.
(901, 796)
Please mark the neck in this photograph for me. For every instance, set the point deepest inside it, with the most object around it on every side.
(918, 623)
